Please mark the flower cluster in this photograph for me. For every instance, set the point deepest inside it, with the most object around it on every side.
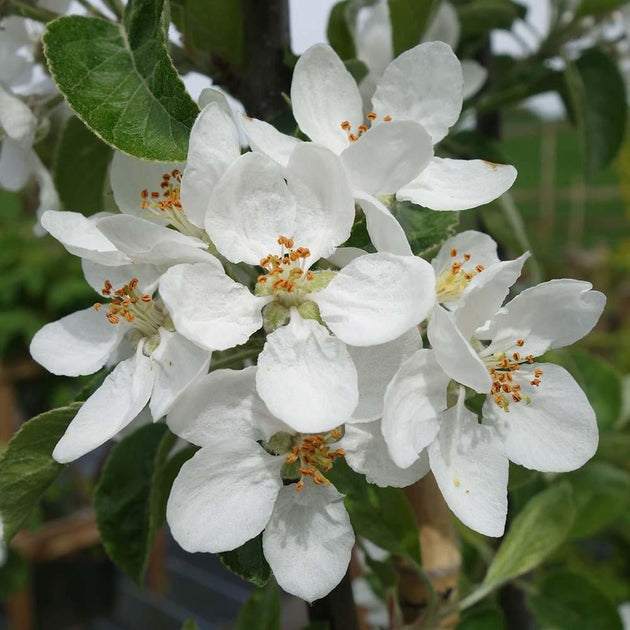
(230, 249)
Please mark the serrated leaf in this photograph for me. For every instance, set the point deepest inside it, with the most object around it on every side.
(566, 601)
(543, 524)
(409, 19)
(80, 168)
(248, 562)
(129, 497)
(27, 467)
(596, 97)
(120, 80)
(601, 493)
(426, 229)
(261, 610)
(338, 31)
(382, 515)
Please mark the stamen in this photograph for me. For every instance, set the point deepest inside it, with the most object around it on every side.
(315, 457)
(387, 118)
(371, 116)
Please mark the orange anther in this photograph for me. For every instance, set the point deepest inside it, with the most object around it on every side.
(453, 252)
(146, 298)
(345, 125)
(520, 343)
(97, 305)
(363, 128)
(299, 485)
(479, 268)
(144, 193)
(353, 138)
(371, 116)
(516, 356)
(387, 118)
(466, 257)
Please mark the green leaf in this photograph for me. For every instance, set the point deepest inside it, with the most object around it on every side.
(426, 229)
(597, 7)
(486, 619)
(215, 28)
(479, 17)
(544, 523)
(338, 31)
(15, 574)
(601, 493)
(129, 497)
(357, 69)
(80, 168)
(261, 610)
(190, 624)
(27, 467)
(566, 601)
(120, 81)
(596, 97)
(599, 380)
(248, 562)
(382, 515)
(410, 19)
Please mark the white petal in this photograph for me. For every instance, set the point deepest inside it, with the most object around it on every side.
(129, 176)
(413, 401)
(265, 138)
(445, 26)
(385, 232)
(324, 95)
(178, 364)
(111, 407)
(550, 315)
(471, 470)
(447, 184)
(475, 76)
(16, 119)
(96, 274)
(373, 38)
(325, 207)
(387, 157)
(376, 298)
(306, 377)
(483, 297)
(556, 432)
(224, 495)
(423, 84)
(342, 256)
(249, 209)
(366, 453)
(455, 354)
(208, 307)
(376, 366)
(81, 237)
(308, 540)
(77, 344)
(146, 242)
(214, 146)
(15, 163)
(481, 247)
(223, 403)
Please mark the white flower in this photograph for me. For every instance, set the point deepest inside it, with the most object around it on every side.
(373, 39)
(535, 414)
(417, 99)
(155, 364)
(255, 473)
(255, 216)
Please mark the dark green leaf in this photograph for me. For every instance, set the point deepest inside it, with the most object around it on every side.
(487, 619)
(317, 625)
(382, 515)
(215, 28)
(426, 229)
(15, 574)
(338, 31)
(129, 497)
(120, 81)
(601, 493)
(357, 69)
(566, 601)
(190, 624)
(261, 610)
(27, 467)
(596, 97)
(410, 19)
(479, 17)
(80, 169)
(544, 523)
(248, 562)
(596, 7)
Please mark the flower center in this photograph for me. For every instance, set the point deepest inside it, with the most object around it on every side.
(140, 311)
(287, 277)
(363, 127)
(454, 277)
(313, 456)
(503, 371)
